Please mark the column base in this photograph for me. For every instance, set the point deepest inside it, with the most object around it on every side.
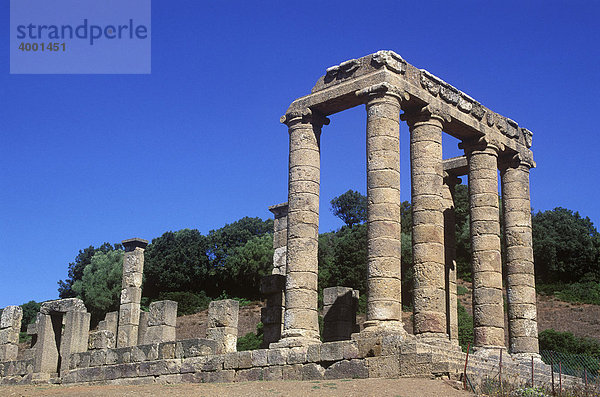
(297, 338)
(490, 351)
(378, 327)
(526, 357)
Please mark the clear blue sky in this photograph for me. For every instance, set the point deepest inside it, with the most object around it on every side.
(92, 158)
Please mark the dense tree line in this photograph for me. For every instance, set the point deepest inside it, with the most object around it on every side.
(191, 267)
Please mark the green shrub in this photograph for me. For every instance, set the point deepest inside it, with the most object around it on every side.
(187, 302)
(243, 301)
(566, 342)
(583, 292)
(251, 341)
(460, 290)
(465, 327)
(23, 337)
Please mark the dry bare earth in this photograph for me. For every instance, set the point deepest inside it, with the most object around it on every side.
(405, 387)
(582, 320)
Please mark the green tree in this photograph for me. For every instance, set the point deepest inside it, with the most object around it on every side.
(566, 247)
(75, 271)
(176, 261)
(30, 311)
(100, 284)
(350, 207)
(247, 264)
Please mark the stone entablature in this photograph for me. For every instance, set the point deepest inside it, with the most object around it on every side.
(468, 119)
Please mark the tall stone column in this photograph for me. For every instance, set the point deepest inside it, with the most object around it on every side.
(131, 293)
(488, 303)
(450, 183)
(428, 221)
(301, 321)
(520, 276)
(384, 308)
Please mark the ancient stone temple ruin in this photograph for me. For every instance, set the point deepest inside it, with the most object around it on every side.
(132, 346)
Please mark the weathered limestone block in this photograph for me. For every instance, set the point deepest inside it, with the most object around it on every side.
(279, 238)
(63, 306)
(101, 340)
(110, 322)
(143, 327)
(163, 313)
(131, 293)
(223, 323)
(339, 310)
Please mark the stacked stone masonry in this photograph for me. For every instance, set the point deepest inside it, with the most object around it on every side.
(223, 324)
(146, 350)
(131, 293)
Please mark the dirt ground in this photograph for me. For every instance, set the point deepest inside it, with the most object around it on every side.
(405, 387)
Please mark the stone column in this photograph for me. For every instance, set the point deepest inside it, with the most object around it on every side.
(384, 308)
(301, 323)
(428, 221)
(10, 326)
(450, 183)
(520, 276)
(131, 294)
(339, 313)
(223, 324)
(279, 238)
(488, 303)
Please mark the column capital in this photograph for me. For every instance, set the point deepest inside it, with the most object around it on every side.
(516, 160)
(382, 90)
(304, 116)
(483, 144)
(133, 243)
(451, 180)
(426, 115)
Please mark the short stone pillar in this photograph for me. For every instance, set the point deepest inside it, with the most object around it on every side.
(10, 326)
(279, 237)
(101, 339)
(110, 323)
(384, 308)
(131, 293)
(223, 324)
(520, 273)
(339, 313)
(272, 288)
(162, 320)
(55, 344)
(143, 328)
(426, 168)
(301, 318)
(488, 302)
(450, 183)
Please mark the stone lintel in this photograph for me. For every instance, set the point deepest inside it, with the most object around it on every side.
(468, 118)
(279, 210)
(133, 243)
(456, 166)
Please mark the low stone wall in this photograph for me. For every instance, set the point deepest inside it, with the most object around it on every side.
(194, 360)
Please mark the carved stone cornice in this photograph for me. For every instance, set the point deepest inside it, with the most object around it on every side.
(341, 71)
(381, 90)
(304, 116)
(392, 61)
